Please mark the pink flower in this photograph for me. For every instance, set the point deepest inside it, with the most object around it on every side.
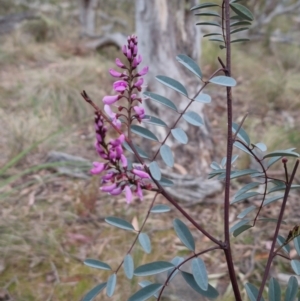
(98, 168)
(139, 59)
(128, 194)
(139, 191)
(115, 73)
(124, 161)
(116, 191)
(108, 188)
(129, 55)
(135, 50)
(124, 49)
(108, 100)
(119, 63)
(139, 111)
(120, 85)
(141, 174)
(139, 83)
(143, 71)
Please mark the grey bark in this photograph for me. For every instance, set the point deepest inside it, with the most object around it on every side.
(87, 17)
(166, 29)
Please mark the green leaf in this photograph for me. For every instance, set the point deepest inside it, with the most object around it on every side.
(193, 118)
(155, 171)
(261, 146)
(128, 266)
(160, 209)
(241, 133)
(154, 120)
(203, 5)
(145, 242)
(210, 293)
(241, 173)
(143, 132)
(166, 182)
(209, 23)
(146, 283)
(223, 81)
(180, 135)
(242, 11)
(239, 224)
(162, 100)
(297, 244)
(272, 199)
(234, 158)
(278, 187)
(146, 292)
(220, 40)
(252, 292)
(167, 155)
(239, 40)
(94, 292)
(190, 64)
(242, 147)
(94, 263)
(111, 285)
(184, 234)
(273, 220)
(296, 266)
(274, 290)
(172, 83)
(212, 34)
(244, 196)
(208, 13)
(246, 211)
(281, 241)
(240, 230)
(215, 166)
(238, 30)
(281, 153)
(119, 223)
(200, 273)
(153, 268)
(204, 98)
(138, 149)
(247, 188)
(240, 23)
(176, 261)
(292, 289)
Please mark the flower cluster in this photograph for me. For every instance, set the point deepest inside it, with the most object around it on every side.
(118, 178)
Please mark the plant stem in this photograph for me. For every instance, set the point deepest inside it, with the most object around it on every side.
(227, 250)
(271, 254)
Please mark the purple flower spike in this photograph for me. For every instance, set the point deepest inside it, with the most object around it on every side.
(124, 161)
(98, 168)
(129, 55)
(120, 86)
(120, 64)
(139, 83)
(108, 188)
(139, 191)
(124, 49)
(116, 191)
(140, 173)
(135, 50)
(128, 194)
(115, 73)
(108, 100)
(143, 71)
(140, 112)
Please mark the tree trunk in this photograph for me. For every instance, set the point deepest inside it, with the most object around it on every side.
(87, 16)
(166, 29)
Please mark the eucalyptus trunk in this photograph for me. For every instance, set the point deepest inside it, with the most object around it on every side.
(166, 29)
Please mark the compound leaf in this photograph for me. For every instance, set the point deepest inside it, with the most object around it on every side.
(119, 222)
(163, 100)
(153, 268)
(172, 83)
(184, 234)
(145, 242)
(200, 273)
(167, 155)
(190, 64)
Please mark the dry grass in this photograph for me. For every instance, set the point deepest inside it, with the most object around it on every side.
(50, 223)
